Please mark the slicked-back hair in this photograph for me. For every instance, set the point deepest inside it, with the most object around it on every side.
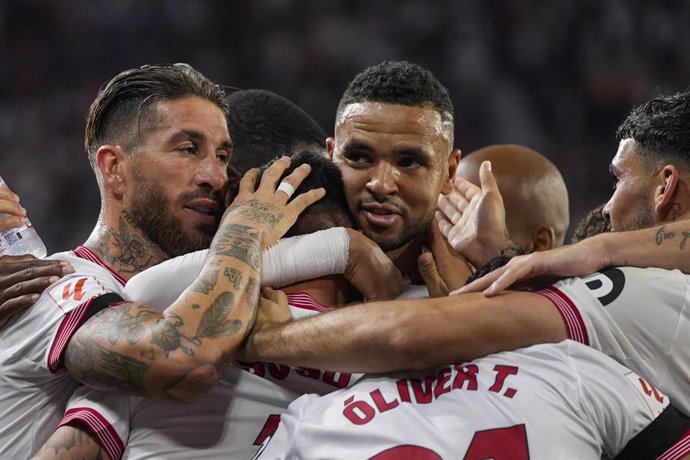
(398, 82)
(264, 125)
(330, 211)
(125, 107)
(660, 128)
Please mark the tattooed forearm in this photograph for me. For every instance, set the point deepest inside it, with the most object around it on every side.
(239, 242)
(663, 235)
(686, 235)
(214, 322)
(207, 282)
(169, 338)
(251, 293)
(99, 367)
(73, 442)
(234, 276)
(125, 320)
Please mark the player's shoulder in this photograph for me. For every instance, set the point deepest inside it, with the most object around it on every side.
(612, 282)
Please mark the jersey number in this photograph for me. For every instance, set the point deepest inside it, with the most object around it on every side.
(499, 444)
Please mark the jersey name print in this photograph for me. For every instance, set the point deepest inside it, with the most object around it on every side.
(550, 401)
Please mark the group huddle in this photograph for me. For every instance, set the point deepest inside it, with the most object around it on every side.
(255, 289)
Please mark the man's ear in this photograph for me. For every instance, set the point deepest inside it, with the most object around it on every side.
(330, 147)
(668, 204)
(112, 163)
(452, 168)
(544, 238)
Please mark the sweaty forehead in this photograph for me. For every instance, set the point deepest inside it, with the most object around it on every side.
(424, 123)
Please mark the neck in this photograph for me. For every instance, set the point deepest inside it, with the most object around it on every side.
(405, 258)
(119, 244)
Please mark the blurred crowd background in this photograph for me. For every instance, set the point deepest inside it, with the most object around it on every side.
(556, 75)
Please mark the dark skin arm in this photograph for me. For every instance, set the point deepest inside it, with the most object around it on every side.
(23, 279)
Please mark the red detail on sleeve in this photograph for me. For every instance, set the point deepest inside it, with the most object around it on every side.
(569, 312)
(70, 323)
(103, 431)
(679, 449)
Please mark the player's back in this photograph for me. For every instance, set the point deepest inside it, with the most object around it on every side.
(548, 401)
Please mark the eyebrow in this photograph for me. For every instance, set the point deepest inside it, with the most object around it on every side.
(195, 136)
(354, 144)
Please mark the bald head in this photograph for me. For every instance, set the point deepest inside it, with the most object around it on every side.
(534, 193)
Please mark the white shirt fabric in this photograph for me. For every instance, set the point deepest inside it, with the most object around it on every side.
(638, 316)
(552, 401)
(230, 422)
(290, 260)
(34, 387)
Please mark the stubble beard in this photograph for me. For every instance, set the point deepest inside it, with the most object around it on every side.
(411, 229)
(151, 213)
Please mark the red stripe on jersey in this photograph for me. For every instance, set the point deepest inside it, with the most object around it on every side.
(68, 326)
(104, 432)
(678, 450)
(86, 253)
(571, 315)
(305, 301)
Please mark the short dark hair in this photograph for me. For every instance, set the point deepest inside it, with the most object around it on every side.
(660, 128)
(117, 113)
(264, 125)
(330, 211)
(398, 82)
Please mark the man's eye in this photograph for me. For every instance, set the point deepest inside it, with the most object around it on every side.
(409, 163)
(223, 157)
(358, 160)
(188, 149)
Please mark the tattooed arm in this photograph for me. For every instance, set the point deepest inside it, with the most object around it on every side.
(178, 354)
(666, 247)
(71, 443)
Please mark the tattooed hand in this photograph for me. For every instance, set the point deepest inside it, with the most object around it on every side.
(269, 210)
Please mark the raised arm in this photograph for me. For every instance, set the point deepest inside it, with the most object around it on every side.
(667, 246)
(411, 334)
(178, 354)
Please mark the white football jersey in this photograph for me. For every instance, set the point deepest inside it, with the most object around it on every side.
(34, 387)
(638, 316)
(229, 422)
(553, 401)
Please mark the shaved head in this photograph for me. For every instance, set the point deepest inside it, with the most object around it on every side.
(534, 193)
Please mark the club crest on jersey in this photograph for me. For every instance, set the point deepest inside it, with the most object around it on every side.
(606, 285)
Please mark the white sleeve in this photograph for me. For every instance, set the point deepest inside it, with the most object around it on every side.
(638, 316)
(619, 403)
(290, 260)
(106, 415)
(37, 338)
